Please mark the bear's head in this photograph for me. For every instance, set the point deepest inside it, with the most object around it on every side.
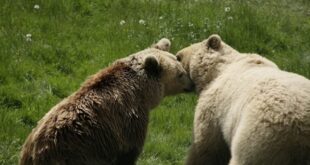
(205, 60)
(169, 71)
(163, 66)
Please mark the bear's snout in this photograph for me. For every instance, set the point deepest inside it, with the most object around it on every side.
(190, 87)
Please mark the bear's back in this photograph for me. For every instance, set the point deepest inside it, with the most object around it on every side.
(92, 124)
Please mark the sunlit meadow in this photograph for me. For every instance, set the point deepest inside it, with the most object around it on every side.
(49, 47)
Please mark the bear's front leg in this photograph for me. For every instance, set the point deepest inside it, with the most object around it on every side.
(208, 145)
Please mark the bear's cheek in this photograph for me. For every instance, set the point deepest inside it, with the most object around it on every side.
(186, 64)
(171, 86)
(171, 90)
(194, 67)
(186, 60)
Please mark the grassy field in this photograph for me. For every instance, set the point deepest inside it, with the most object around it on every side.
(49, 47)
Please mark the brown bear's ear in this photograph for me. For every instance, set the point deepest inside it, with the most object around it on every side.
(152, 66)
(214, 42)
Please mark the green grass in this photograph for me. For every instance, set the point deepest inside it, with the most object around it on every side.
(72, 39)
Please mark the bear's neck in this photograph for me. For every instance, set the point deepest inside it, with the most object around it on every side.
(121, 86)
(229, 65)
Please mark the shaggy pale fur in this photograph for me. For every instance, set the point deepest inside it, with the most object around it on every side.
(249, 111)
(105, 121)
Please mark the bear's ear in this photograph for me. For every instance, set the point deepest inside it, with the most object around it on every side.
(214, 42)
(152, 66)
(163, 44)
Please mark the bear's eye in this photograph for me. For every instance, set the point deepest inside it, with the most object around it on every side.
(180, 75)
(179, 58)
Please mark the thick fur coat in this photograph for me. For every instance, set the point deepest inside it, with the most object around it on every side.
(105, 121)
(249, 111)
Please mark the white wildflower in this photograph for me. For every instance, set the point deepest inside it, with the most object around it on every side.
(47, 46)
(142, 22)
(192, 34)
(190, 24)
(307, 58)
(161, 17)
(36, 7)
(230, 18)
(122, 22)
(227, 9)
(219, 23)
(28, 37)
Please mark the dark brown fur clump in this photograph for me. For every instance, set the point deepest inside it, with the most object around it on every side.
(104, 122)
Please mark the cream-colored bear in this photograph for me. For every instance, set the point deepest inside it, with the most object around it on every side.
(249, 111)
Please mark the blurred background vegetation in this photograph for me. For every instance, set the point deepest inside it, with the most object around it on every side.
(49, 47)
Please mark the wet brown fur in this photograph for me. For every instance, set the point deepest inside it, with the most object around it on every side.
(104, 122)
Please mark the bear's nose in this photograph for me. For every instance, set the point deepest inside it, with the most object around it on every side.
(190, 87)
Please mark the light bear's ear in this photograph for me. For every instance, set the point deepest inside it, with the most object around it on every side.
(163, 44)
(214, 42)
(152, 66)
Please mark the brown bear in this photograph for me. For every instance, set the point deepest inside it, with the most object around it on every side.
(105, 121)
